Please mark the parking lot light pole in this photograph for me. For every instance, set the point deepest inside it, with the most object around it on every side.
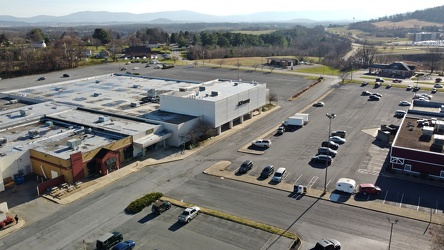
(330, 117)
(391, 229)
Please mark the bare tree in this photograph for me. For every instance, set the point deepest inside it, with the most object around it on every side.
(272, 97)
(200, 131)
(220, 63)
(344, 75)
(437, 233)
(434, 58)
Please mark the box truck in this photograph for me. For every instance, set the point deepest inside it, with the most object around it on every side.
(303, 116)
(292, 123)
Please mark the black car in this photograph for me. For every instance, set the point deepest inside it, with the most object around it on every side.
(330, 144)
(160, 206)
(374, 98)
(65, 75)
(41, 78)
(366, 93)
(322, 159)
(246, 166)
(267, 171)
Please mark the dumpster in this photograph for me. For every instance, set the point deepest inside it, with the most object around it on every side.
(19, 179)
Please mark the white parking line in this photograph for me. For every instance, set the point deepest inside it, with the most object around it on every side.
(312, 181)
(402, 197)
(436, 208)
(297, 179)
(385, 197)
(419, 200)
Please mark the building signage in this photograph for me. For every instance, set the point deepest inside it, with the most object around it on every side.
(240, 103)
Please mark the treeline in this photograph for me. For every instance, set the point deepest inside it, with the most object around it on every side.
(67, 50)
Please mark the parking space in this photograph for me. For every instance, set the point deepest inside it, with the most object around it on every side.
(151, 231)
(361, 157)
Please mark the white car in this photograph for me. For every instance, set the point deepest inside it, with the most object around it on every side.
(437, 85)
(337, 139)
(263, 143)
(188, 214)
(405, 103)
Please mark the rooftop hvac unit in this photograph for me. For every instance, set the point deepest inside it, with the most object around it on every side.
(33, 134)
(49, 123)
(215, 93)
(3, 141)
(97, 94)
(135, 104)
(235, 84)
(136, 86)
(102, 118)
(182, 89)
(438, 139)
(13, 101)
(73, 143)
(426, 130)
(24, 112)
(98, 81)
(59, 89)
(202, 88)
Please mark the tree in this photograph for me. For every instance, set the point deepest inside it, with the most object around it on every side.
(434, 58)
(201, 130)
(102, 35)
(437, 233)
(344, 75)
(35, 35)
(272, 97)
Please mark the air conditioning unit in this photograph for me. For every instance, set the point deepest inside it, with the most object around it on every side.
(74, 143)
(215, 93)
(102, 119)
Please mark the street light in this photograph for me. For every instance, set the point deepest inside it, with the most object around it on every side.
(391, 229)
(330, 117)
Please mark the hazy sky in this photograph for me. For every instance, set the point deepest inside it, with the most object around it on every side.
(361, 10)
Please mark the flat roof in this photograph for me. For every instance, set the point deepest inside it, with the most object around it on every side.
(216, 90)
(410, 134)
(112, 92)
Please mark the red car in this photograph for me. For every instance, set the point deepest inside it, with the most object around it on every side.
(397, 80)
(368, 189)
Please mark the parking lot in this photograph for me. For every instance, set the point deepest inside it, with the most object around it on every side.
(164, 231)
(360, 158)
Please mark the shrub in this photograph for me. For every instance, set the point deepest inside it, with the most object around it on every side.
(9, 220)
(2, 224)
(142, 202)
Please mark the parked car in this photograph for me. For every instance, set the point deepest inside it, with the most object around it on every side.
(125, 245)
(337, 139)
(366, 93)
(379, 79)
(404, 103)
(388, 86)
(368, 189)
(322, 159)
(246, 166)
(397, 81)
(188, 214)
(340, 133)
(41, 78)
(377, 94)
(438, 80)
(263, 143)
(364, 83)
(280, 130)
(65, 75)
(374, 98)
(160, 206)
(410, 87)
(319, 104)
(437, 85)
(327, 151)
(434, 91)
(279, 174)
(108, 240)
(328, 245)
(400, 113)
(330, 144)
(267, 171)
(416, 88)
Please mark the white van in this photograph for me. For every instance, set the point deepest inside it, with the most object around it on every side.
(346, 185)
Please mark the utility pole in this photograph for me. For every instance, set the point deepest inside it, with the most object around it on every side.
(391, 229)
(330, 117)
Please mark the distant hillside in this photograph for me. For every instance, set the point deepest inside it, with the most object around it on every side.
(104, 17)
(431, 19)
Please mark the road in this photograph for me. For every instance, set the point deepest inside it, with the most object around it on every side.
(51, 226)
